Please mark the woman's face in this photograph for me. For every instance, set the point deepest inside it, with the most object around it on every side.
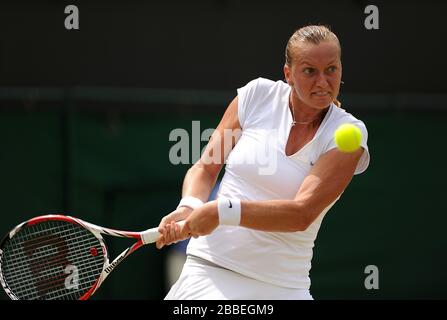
(315, 73)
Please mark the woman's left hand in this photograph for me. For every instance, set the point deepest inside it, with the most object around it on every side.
(202, 221)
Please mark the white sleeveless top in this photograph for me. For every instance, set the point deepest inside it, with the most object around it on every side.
(258, 169)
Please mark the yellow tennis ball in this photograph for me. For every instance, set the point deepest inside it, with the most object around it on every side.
(348, 137)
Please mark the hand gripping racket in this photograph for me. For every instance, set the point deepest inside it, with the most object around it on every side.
(60, 257)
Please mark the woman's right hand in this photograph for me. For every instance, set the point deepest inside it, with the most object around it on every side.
(169, 229)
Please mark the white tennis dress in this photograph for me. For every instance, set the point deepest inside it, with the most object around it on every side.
(241, 263)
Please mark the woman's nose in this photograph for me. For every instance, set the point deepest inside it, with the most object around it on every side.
(321, 80)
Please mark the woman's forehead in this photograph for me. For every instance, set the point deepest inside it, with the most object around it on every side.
(324, 52)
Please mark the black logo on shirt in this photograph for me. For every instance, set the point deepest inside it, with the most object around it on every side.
(231, 205)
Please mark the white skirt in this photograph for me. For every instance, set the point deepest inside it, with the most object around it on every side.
(203, 280)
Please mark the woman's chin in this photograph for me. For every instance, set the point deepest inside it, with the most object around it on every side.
(321, 102)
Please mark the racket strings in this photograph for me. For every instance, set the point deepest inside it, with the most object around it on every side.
(18, 276)
(57, 283)
(53, 276)
(37, 256)
(19, 258)
(43, 264)
(33, 238)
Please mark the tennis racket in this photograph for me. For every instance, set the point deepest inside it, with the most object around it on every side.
(60, 257)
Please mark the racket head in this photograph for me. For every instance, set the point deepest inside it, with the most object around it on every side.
(51, 257)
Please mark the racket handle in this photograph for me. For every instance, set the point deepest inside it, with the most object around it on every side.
(152, 235)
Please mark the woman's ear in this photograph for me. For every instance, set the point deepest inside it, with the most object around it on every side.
(287, 75)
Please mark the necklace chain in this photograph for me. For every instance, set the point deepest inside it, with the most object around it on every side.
(294, 122)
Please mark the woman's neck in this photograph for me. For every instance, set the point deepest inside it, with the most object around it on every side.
(304, 114)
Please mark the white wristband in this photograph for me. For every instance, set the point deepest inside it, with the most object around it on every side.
(190, 202)
(229, 211)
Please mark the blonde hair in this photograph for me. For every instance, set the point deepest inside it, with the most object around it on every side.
(313, 34)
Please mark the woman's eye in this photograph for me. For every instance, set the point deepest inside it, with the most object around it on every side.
(308, 70)
(332, 69)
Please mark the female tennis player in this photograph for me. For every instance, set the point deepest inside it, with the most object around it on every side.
(283, 173)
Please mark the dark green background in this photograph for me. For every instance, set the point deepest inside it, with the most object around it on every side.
(85, 118)
(114, 168)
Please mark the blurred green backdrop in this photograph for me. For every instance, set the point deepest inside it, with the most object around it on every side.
(110, 166)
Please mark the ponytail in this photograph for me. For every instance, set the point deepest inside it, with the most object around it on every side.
(337, 103)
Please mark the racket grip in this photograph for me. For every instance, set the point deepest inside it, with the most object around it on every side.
(152, 235)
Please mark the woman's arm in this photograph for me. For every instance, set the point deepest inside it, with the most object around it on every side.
(326, 182)
(201, 177)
